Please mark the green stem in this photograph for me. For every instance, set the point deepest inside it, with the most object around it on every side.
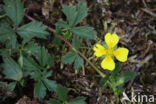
(2, 16)
(102, 75)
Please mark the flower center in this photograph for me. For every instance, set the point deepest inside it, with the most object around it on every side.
(110, 51)
(111, 45)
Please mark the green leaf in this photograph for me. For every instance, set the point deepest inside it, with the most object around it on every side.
(51, 85)
(32, 29)
(82, 11)
(30, 64)
(69, 57)
(8, 35)
(44, 58)
(46, 74)
(36, 76)
(71, 13)
(78, 63)
(76, 42)
(54, 101)
(84, 32)
(14, 10)
(62, 24)
(11, 86)
(50, 61)
(78, 100)
(116, 70)
(125, 77)
(40, 90)
(67, 34)
(7, 32)
(2, 84)
(31, 48)
(75, 14)
(12, 41)
(104, 81)
(61, 92)
(4, 52)
(11, 69)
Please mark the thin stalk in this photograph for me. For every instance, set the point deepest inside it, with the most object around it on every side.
(93, 66)
(2, 16)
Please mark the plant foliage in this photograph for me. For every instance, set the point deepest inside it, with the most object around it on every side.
(117, 79)
(25, 57)
(62, 92)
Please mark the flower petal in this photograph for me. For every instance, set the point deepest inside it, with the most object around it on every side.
(121, 54)
(99, 50)
(111, 40)
(108, 63)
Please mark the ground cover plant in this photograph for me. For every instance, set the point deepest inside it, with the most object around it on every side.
(77, 52)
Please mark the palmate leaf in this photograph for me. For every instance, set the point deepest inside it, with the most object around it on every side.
(12, 42)
(62, 24)
(7, 34)
(61, 92)
(40, 90)
(5, 31)
(33, 29)
(82, 12)
(75, 14)
(78, 100)
(46, 74)
(54, 101)
(30, 64)
(31, 48)
(11, 86)
(44, 58)
(43, 83)
(76, 42)
(71, 13)
(125, 77)
(4, 52)
(11, 69)
(78, 63)
(2, 84)
(84, 32)
(69, 58)
(50, 84)
(14, 10)
(36, 76)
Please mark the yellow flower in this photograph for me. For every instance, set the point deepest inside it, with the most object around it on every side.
(120, 54)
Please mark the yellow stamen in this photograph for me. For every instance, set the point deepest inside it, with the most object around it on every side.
(110, 51)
